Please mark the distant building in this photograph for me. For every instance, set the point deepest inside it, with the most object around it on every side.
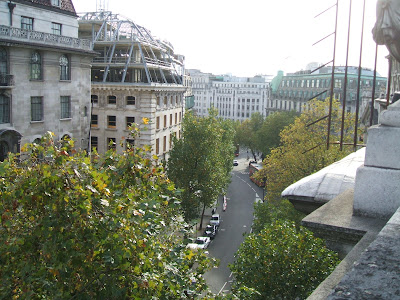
(134, 76)
(296, 89)
(44, 74)
(236, 98)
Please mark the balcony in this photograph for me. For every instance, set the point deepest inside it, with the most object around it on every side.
(42, 38)
(6, 81)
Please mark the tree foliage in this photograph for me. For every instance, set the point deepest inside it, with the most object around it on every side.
(246, 134)
(106, 228)
(303, 147)
(268, 136)
(200, 162)
(282, 262)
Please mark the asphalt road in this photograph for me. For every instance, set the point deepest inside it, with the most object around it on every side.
(236, 221)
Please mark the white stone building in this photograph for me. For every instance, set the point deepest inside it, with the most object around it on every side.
(44, 74)
(134, 76)
(236, 98)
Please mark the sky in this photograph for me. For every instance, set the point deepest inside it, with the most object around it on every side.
(251, 37)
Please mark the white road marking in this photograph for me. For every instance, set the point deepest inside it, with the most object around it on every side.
(222, 288)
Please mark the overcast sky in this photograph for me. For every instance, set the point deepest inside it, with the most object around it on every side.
(250, 37)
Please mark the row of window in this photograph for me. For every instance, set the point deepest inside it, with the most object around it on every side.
(28, 22)
(36, 65)
(111, 99)
(168, 101)
(112, 121)
(37, 108)
(158, 124)
(325, 83)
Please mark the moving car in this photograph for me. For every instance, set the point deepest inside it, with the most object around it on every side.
(215, 220)
(211, 231)
(235, 162)
(201, 242)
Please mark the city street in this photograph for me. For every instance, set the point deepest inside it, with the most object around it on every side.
(236, 221)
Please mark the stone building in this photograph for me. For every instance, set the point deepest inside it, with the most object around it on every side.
(295, 89)
(236, 98)
(134, 76)
(44, 74)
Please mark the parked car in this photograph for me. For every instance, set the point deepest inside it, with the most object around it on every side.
(201, 242)
(211, 231)
(215, 220)
(235, 162)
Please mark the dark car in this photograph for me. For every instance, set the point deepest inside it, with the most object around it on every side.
(211, 231)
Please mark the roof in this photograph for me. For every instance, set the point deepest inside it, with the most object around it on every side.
(66, 5)
(330, 181)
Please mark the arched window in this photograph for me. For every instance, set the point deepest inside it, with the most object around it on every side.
(64, 68)
(36, 66)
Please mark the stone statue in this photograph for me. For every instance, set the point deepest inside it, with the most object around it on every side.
(387, 27)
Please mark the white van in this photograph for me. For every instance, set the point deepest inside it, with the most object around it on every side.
(215, 220)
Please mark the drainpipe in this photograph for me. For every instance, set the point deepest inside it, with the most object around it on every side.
(11, 7)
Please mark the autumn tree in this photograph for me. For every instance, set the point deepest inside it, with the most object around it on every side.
(200, 162)
(303, 147)
(80, 227)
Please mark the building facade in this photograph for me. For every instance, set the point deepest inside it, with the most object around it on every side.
(44, 74)
(134, 76)
(236, 98)
(293, 91)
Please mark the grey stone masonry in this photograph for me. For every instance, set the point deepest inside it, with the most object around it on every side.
(376, 274)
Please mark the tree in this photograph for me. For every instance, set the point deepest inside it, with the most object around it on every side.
(247, 133)
(303, 148)
(282, 262)
(268, 135)
(73, 227)
(200, 162)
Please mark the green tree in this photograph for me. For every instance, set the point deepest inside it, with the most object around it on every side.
(200, 162)
(268, 135)
(247, 133)
(73, 227)
(303, 148)
(281, 262)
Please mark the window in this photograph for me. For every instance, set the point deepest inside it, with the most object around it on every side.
(64, 67)
(176, 118)
(170, 120)
(158, 123)
(56, 28)
(55, 3)
(4, 109)
(112, 100)
(94, 99)
(95, 121)
(26, 23)
(157, 146)
(165, 121)
(3, 62)
(130, 100)
(36, 66)
(165, 101)
(94, 142)
(65, 107)
(129, 121)
(165, 144)
(111, 121)
(111, 143)
(36, 108)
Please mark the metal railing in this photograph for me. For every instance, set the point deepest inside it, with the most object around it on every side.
(6, 80)
(37, 37)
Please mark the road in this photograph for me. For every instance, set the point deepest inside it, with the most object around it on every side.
(236, 221)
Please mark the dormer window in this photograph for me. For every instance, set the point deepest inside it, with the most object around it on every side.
(56, 3)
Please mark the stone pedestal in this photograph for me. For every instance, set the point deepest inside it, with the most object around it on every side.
(377, 184)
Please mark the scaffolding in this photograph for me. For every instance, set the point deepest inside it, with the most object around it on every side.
(128, 52)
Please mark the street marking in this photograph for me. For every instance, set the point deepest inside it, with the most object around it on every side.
(230, 275)
(244, 226)
(222, 288)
